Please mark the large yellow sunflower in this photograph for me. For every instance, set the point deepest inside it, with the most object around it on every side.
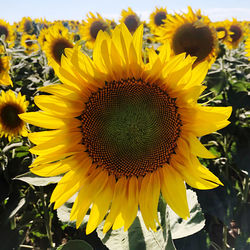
(58, 39)
(4, 68)
(131, 19)
(124, 131)
(190, 34)
(247, 47)
(157, 18)
(90, 28)
(7, 31)
(30, 43)
(236, 34)
(10, 107)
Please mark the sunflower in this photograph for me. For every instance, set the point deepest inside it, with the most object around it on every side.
(124, 131)
(42, 37)
(236, 34)
(247, 47)
(29, 42)
(157, 18)
(222, 30)
(90, 28)
(57, 40)
(4, 68)
(131, 20)
(7, 31)
(10, 107)
(187, 33)
(26, 26)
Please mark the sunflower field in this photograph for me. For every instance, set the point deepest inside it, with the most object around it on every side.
(125, 134)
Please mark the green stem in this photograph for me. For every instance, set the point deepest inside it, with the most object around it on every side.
(47, 218)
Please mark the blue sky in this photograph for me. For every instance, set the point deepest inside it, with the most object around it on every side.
(14, 10)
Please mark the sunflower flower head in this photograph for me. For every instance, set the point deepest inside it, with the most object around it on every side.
(7, 32)
(157, 18)
(29, 42)
(123, 131)
(26, 26)
(236, 34)
(57, 39)
(90, 28)
(131, 19)
(11, 105)
(190, 34)
(4, 68)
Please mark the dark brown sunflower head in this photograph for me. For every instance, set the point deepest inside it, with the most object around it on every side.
(9, 116)
(130, 127)
(4, 31)
(237, 33)
(96, 26)
(194, 40)
(132, 22)
(57, 48)
(160, 17)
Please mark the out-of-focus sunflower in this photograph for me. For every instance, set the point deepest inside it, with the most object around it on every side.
(10, 107)
(90, 28)
(57, 40)
(30, 43)
(247, 47)
(222, 30)
(187, 33)
(4, 68)
(7, 31)
(236, 34)
(42, 37)
(157, 18)
(124, 131)
(26, 26)
(131, 19)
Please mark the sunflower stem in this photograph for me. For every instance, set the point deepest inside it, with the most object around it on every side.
(47, 218)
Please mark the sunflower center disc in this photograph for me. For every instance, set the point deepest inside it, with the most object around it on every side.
(95, 27)
(130, 127)
(132, 23)
(58, 48)
(237, 32)
(195, 41)
(9, 116)
(159, 17)
(4, 31)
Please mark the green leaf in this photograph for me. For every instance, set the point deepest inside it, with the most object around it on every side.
(137, 237)
(75, 245)
(182, 228)
(36, 180)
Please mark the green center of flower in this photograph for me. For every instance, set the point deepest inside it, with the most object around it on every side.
(132, 23)
(237, 33)
(9, 116)
(159, 18)
(195, 41)
(95, 27)
(4, 31)
(130, 127)
(58, 47)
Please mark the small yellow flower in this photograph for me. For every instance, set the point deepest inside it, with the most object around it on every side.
(29, 42)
